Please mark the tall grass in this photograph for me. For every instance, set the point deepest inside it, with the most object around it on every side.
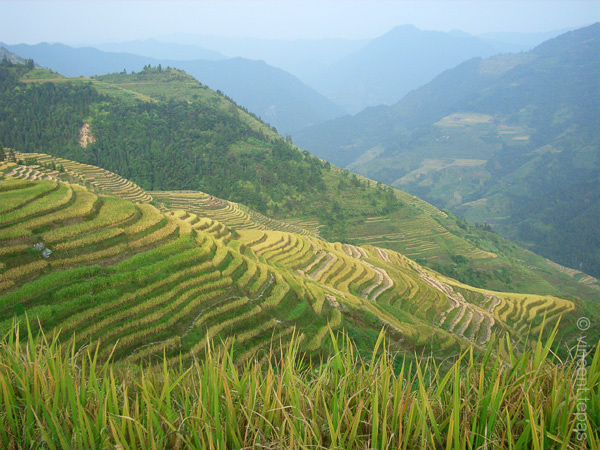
(57, 397)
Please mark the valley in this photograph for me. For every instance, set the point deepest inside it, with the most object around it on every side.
(507, 141)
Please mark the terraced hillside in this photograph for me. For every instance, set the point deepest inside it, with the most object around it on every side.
(41, 166)
(167, 132)
(144, 282)
(69, 255)
(420, 234)
(410, 294)
(232, 214)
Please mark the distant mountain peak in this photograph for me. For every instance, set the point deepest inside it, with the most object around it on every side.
(390, 66)
(405, 27)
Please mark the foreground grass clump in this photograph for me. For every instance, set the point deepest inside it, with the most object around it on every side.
(55, 397)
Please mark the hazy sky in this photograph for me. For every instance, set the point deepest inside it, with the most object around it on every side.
(77, 22)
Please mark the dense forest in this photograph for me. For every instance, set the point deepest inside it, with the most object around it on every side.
(160, 145)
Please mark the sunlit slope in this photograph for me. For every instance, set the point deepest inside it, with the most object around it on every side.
(144, 282)
(363, 213)
(129, 273)
(232, 214)
(45, 167)
(40, 166)
(409, 293)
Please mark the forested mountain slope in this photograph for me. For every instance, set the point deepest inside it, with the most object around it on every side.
(10, 56)
(512, 140)
(277, 96)
(165, 132)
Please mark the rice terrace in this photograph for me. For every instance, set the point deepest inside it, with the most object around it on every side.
(382, 241)
(172, 284)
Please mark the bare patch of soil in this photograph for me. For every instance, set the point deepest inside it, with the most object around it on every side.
(85, 135)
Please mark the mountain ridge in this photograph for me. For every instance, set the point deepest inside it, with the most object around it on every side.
(159, 50)
(525, 120)
(393, 64)
(284, 100)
